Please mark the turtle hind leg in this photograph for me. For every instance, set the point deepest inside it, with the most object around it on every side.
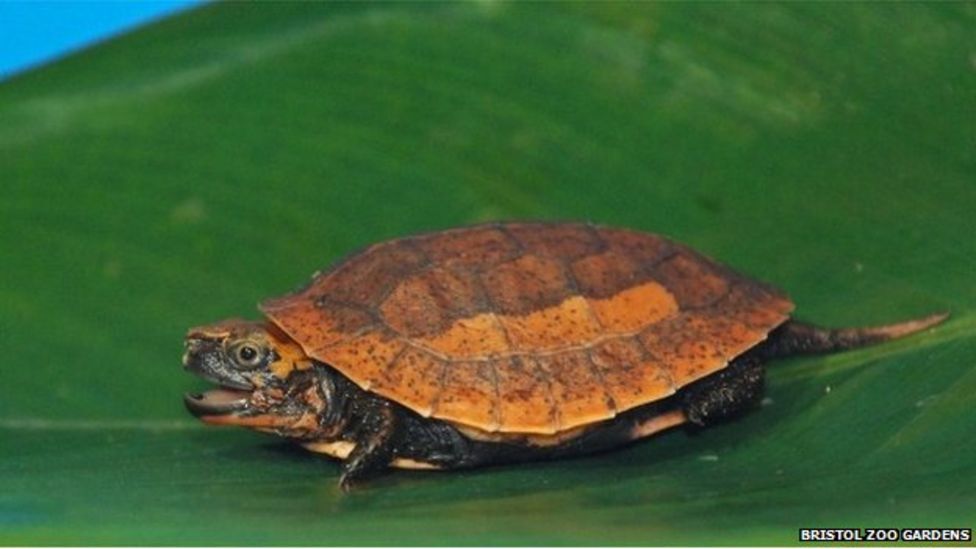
(725, 394)
(796, 338)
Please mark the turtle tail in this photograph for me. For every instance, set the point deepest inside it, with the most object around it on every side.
(796, 338)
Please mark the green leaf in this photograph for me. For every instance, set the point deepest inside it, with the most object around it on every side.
(184, 172)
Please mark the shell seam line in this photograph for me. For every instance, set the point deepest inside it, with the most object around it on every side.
(666, 369)
(603, 382)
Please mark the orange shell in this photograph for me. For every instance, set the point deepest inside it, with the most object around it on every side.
(528, 328)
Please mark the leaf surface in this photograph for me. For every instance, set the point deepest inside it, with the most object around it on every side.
(184, 172)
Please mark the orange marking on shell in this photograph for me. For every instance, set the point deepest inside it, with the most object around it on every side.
(469, 338)
(524, 397)
(634, 308)
(413, 379)
(630, 376)
(468, 395)
(567, 323)
(577, 390)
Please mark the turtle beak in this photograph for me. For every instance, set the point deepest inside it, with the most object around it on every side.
(216, 402)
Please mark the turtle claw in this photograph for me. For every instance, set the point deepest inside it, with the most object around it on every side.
(346, 484)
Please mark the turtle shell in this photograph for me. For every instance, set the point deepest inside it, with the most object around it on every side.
(529, 327)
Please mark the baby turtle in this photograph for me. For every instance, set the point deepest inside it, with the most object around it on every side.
(503, 343)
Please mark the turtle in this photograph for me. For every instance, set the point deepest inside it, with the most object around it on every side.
(502, 343)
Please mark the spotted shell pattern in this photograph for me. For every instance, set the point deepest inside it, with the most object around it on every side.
(528, 328)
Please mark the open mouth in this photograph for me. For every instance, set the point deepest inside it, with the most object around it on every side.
(233, 403)
(229, 406)
(222, 401)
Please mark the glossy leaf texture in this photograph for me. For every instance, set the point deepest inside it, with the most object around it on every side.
(182, 173)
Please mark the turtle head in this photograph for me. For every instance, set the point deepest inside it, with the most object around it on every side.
(264, 377)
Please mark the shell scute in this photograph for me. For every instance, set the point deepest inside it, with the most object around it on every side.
(526, 284)
(566, 241)
(698, 342)
(633, 308)
(469, 394)
(372, 353)
(605, 274)
(429, 302)
(367, 278)
(746, 299)
(678, 343)
(323, 323)
(477, 337)
(415, 375)
(474, 248)
(553, 327)
(645, 249)
(578, 388)
(525, 396)
(631, 376)
(694, 282)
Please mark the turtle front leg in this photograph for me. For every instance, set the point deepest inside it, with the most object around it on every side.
(374, 447)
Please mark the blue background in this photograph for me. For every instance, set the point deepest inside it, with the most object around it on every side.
(33, 33)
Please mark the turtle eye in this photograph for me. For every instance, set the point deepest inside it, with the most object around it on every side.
(247, 355)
